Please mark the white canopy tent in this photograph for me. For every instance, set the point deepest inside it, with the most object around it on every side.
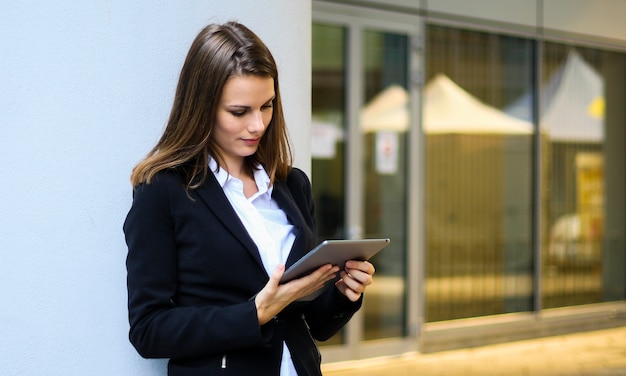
(572, 103)
(576, 111)
(387, 111)
(447, 109)
(450, 109)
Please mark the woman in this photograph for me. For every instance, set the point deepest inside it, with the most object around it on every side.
(217, 213)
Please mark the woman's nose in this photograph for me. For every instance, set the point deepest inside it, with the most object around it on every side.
(256, 123)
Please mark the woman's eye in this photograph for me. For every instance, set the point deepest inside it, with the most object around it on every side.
(238, 113)
(268, 105)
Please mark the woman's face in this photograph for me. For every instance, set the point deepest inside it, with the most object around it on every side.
(244, 112)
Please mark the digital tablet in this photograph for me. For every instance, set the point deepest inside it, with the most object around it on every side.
(335, 252)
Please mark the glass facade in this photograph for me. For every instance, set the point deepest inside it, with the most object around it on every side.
(328, 134)
(381, 151)
(577, 269)
(329, 127)
(521, 169)
(478, 174)
(384, 176)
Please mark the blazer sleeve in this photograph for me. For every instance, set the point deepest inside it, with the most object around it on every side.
(158, 327)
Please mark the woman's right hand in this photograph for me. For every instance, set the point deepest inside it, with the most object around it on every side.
(274, 297)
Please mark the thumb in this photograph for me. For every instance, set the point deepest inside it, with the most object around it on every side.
(277, 274)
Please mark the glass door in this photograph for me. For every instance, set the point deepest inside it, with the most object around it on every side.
(383, 128)
(364, 111)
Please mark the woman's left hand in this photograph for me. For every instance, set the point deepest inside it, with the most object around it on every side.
(355, 278)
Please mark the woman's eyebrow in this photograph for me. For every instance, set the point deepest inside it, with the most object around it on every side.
(243, 106)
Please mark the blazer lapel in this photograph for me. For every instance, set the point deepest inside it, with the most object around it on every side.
(286, 202)
(213, 196)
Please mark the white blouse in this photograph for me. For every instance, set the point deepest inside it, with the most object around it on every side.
(267, 225)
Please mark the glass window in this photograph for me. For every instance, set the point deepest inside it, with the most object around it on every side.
(478, 173)
(329, 129)
(385, 124)
(328, 146)
(377, 147)
(574, 143)
(484, 140)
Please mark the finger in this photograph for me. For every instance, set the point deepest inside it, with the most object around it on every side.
(310, 283)
(359, 276)
(277, 274)
(352, 283)
(323, 273)
(346, 291)
(364, 266)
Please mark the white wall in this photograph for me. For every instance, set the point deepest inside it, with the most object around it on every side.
(86, 88)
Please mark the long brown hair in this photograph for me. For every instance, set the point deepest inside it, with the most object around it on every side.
(219, 52)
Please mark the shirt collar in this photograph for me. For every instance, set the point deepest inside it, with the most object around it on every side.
(261, 178)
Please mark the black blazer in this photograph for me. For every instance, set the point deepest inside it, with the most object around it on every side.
(192, 269)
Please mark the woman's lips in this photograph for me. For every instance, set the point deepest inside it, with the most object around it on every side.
(251, 141)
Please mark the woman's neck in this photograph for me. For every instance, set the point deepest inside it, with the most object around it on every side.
(236, 168)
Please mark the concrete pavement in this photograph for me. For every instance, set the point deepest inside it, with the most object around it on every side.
(595, 353)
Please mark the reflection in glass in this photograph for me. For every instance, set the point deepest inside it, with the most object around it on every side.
(572, 138)
(327, 134)
(478, 175)
(328, 129)
(384, 123)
